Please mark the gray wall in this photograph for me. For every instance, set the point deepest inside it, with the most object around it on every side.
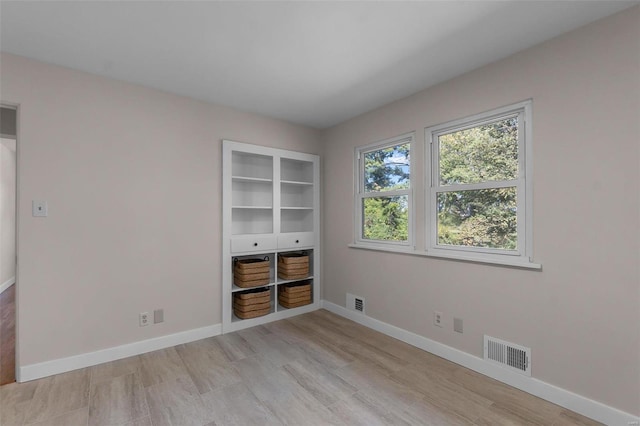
(581, 313)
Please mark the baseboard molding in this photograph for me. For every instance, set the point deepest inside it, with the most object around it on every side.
(62, 365)
(562, 397)
(8, 283)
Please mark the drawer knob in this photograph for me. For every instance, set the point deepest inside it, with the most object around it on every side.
(297, 241)
(255, 244)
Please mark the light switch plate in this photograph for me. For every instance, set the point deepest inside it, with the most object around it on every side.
(457, 325)
(39, 208)
(158, 316)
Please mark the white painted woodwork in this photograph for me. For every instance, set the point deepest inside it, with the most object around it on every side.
(271, 200)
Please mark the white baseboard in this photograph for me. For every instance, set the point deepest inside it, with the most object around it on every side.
(8, 283)
(62, 365)
(564, 398)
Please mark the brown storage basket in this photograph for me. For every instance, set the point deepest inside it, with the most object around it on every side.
(251, 272)
(294, 294)
(252, 304)
(293, 266)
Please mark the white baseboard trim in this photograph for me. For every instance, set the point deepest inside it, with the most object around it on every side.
(62, 365)
(562, 397)
(8, 283)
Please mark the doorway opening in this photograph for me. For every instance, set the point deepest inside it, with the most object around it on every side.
(8, 142)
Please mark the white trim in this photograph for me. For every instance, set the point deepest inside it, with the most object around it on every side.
(8, 283)
(274, 316)
(562, 397)
(62, 365)
(503, 260)
(278, 242)
(523, 183)
(360, 194)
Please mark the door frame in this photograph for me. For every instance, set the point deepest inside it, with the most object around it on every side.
(16, 106)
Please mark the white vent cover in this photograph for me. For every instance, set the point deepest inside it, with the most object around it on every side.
(355, 303)
(509, 355)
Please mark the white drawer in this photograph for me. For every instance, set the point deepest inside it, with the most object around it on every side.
(295, 239)
(253, 243)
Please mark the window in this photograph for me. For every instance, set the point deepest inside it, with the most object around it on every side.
(477, 191)
(384, 193)
(479, 196)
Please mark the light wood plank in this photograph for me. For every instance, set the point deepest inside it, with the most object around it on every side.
(117, 401)
(59, 394)
(160, 366)
(72, 418)
(360, 410)
(208, 365)
(15, 399)
(235, 405)
(235, 346)
(317, 368)
(111, 370)
(177, 402)
(325, 386)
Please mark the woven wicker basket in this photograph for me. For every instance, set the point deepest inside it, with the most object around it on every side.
(293, 266)
(251, 272)
(252, 303)
(293, 295)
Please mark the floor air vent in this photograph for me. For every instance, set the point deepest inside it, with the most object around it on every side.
(509, 355)
(355, 303)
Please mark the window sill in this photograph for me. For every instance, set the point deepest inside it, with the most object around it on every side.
(465, 257)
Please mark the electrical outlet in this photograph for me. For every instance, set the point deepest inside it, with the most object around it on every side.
(437, 318)
(144, 319)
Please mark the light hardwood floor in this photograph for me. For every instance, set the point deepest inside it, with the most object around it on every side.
(314, 369)
(8, 336)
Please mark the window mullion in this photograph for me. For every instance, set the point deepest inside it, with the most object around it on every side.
(477, 186)
(384, 194)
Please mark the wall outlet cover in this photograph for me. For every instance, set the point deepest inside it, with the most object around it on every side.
(437, 318)
(144, 319)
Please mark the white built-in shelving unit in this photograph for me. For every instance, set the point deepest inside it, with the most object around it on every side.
(270, 207)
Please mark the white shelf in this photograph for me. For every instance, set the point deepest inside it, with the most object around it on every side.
(252, 221)
(296, 220)
(251, 165)
(253, 207)
(252, 193)
(294, 170)
(310, 277)
(296, 196)
(251, 179)
(236, 289)
(292, 182)
(271, 199)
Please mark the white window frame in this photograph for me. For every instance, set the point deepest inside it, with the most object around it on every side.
(523, 184)
(360, 195)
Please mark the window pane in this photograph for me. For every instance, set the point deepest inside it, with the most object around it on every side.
(387, 169)
(483, 153)
(385, 218)
(480, 218)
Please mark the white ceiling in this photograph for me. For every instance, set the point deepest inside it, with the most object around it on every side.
(313, 63)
